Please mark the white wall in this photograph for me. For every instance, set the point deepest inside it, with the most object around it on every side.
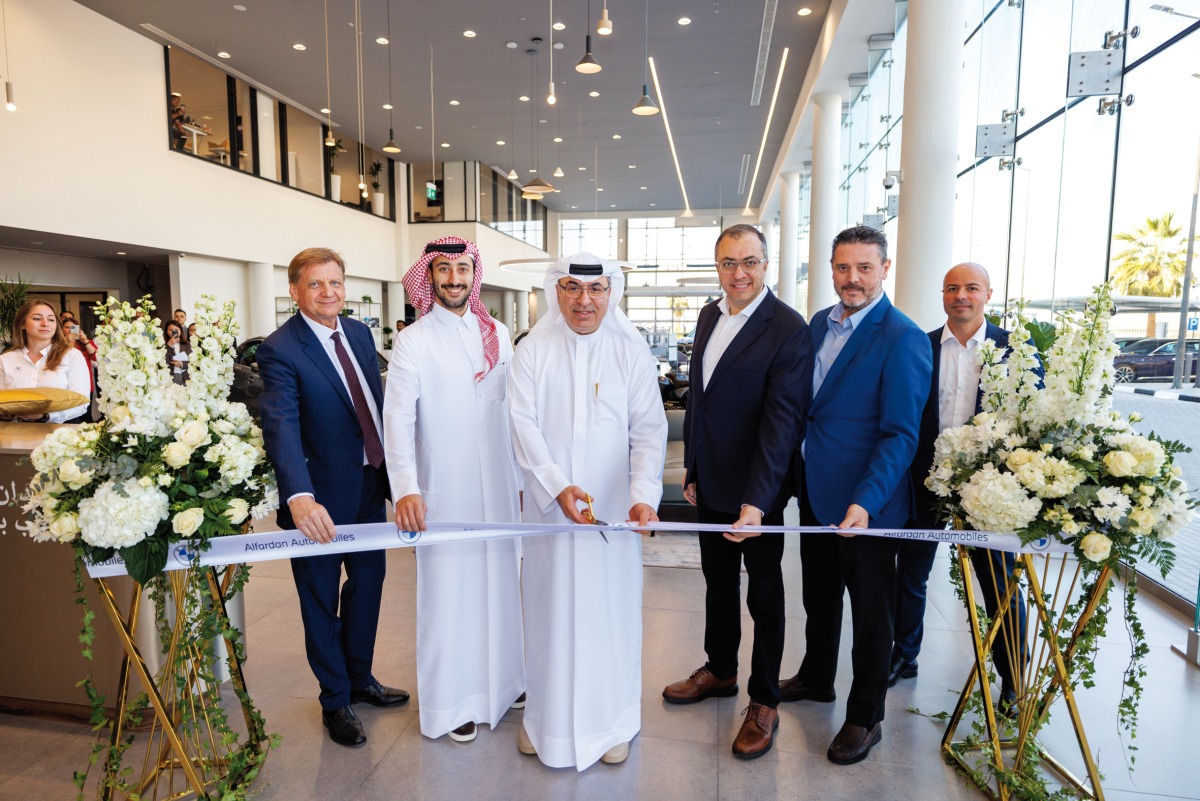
(59, 271)
(193, 276)
(86, 154)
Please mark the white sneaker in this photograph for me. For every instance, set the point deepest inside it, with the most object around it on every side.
(616, 755)
(464, 733)
(524, 744)
(519, 703)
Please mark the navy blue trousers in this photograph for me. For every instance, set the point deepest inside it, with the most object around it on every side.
(340, 619)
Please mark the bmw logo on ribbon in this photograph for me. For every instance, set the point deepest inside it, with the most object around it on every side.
(408, 537)
(183, 554)
(1040, 544)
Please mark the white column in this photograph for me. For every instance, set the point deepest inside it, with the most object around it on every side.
(522, 311)
(533, 306)
(789, 226)
(395, 304)
(769, 229)
(266, 137)
(262, 299)
(925, 235)
(508, 299)
(822, 218)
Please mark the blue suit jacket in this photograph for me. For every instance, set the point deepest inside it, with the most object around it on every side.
(863, 421)
(310, 430)
(741, 432)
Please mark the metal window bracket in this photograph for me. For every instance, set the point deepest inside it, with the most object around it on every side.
(1010, 164)
(875, 221)
(995, 140)
(1117, 39)
(1111, 106)
(1097, 72)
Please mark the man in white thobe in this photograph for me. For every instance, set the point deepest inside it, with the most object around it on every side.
(449, 457)
(588, 430)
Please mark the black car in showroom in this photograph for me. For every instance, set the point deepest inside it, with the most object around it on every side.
(247, 383)
(1158, 363)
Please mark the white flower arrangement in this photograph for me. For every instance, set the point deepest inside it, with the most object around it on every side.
(168, 462)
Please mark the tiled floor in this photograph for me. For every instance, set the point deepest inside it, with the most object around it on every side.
(682, 752)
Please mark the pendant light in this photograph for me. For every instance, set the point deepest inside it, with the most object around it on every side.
(432, 125)
(512, 112)
(537, 186)
(362, 117)
(329, 140)
(391, 146)
(558, 170)
(646, 107)
(9, 102)
(588, 64)
(551, 98)
(604, 26)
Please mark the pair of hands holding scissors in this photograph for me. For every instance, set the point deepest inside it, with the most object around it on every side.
(570, 498)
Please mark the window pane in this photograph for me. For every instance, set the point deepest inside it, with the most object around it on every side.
(205, 101)
(305, 153)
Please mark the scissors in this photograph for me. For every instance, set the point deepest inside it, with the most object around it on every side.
(591, 518)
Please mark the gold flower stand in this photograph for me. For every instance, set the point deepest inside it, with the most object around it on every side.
(189, 751)
(1010, 745)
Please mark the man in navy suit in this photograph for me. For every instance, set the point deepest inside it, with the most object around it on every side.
(751, 369)
(870, 381)
(954, 398)
(321, 401)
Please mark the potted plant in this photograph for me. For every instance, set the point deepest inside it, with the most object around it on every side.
(335, 180)
(376, 196)
(12, 295)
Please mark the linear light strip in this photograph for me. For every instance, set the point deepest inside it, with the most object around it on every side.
(766, 131)
(662, 106)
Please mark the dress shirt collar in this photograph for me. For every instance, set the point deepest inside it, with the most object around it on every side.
(837, 323)
(450, 319)
(751, 307)
(977, 338)
(322, 332)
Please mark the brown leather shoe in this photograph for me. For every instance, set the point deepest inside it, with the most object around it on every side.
(853, 743)
(794, 689)
(698, 686)
(757, 733)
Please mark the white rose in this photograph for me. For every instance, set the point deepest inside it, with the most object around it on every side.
(193, 434)
(1120, 463)
(119, 415)
(65, 528)
(1095, 547)
(238, 511)
(71, 474)
(186, 522)
(165, 480)
(1142, 520)
(176, 454)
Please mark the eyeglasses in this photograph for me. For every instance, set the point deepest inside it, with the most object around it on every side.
(573, 290)
(749, 265)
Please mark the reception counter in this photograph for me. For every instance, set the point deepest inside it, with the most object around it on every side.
(40, 620)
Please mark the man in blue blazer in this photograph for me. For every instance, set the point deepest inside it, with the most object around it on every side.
(321, 423)
(751, 370)
(955, 397)
(870, 381)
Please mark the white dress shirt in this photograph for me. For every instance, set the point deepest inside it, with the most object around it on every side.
(325, 337)
(958, 378)
(18, 370)
(725, 330)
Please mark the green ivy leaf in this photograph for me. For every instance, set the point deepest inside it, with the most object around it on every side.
(145, 560)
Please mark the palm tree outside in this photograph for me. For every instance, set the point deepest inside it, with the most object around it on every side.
(1153, 262)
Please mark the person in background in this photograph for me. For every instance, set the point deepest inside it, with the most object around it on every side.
(191, 334)
(180, 317)
(178, 116)
(179, 351)
(42, 356)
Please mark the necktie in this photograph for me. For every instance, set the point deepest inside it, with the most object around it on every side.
(370, 433)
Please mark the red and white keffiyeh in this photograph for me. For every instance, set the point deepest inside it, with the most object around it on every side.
(419, 287)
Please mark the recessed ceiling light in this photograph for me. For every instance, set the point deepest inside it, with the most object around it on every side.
(642, 188)
(558, 139)
(445, 144)
(223, 54)
(469, 34)
(581, 169)
(633, 166)
(574, 207)
(804, 11)
(532, 170)
(653, 204)
(612, 205)
(387, 106)
(298, 46)
(593, 94)
(419, 127)
(381, 40)
(559, 26)
(454, 102)
(239, 7)
(616, 136)
(558, 46)
(326, 111)
(599, 188)
(511, 45)
(524, 98)
(120, 253)
(685, 20)
(500, 141)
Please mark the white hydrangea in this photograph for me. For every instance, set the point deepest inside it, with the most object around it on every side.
(121, 514)
(995, 501)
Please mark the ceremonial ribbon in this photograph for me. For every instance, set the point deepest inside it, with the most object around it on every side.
(270, 545)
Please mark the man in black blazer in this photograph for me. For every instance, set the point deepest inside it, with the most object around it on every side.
(954, 397)
(322, 431)
(751, 374)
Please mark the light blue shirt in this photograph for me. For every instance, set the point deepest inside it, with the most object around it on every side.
(840, 331)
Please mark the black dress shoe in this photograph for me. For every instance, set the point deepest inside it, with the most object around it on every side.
(901, 669)
(1007, 704)
(794, 689)
(853, 743)
(377, 695)
(344, 726)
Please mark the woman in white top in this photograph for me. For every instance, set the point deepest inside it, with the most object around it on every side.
(41, 356)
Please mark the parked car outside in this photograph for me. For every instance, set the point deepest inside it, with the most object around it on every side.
(247, 383)
(1158, 363)
(1141, 346)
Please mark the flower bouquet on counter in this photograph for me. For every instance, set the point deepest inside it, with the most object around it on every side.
(1051, 461)
(168, 468)
(168, 462)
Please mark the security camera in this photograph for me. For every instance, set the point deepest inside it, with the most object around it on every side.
(889, 181)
